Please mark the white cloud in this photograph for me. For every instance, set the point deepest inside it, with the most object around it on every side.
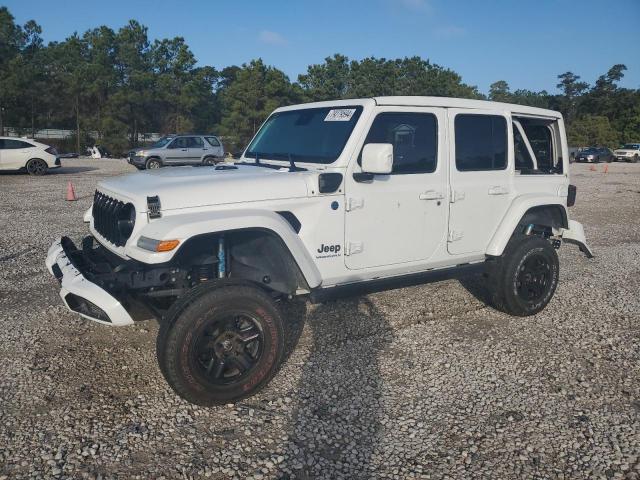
(271, 38)
(450, 31)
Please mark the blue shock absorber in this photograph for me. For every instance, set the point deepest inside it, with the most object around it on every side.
(222, 260)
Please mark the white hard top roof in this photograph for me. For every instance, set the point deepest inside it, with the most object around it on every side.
(445, 102)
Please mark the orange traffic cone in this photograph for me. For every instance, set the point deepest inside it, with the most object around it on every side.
(592, 168)
(605, 169)
(71, 193)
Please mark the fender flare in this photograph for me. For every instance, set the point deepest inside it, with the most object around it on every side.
(517, 210)
(183, 227)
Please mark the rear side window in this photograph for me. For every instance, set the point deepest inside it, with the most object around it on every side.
(414, 137)
(481, 142)
(195, 142)
(14, 144)
(213, 141)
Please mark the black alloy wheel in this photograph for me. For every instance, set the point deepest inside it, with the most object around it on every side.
(36, 166)
(534, 278)
(228, 348)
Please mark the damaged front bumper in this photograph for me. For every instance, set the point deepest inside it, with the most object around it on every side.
(575, 234)
(78, 293)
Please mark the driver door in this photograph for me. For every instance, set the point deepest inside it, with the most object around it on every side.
(400, 217)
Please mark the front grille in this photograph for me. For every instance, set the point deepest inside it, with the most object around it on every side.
(106, 213)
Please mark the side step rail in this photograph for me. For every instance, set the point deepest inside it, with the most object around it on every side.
(320, 295)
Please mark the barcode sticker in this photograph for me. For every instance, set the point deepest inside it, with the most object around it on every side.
(339, 115)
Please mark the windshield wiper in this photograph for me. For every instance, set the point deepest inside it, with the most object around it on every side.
(275, 156)
(292, 166)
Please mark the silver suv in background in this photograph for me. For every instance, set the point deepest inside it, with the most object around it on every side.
(179, 150)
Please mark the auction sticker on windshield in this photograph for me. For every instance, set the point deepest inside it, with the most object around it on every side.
(340, 115)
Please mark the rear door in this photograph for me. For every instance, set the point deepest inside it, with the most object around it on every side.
(196, 148)
(178, 151)
(401, 217)
(481, 177)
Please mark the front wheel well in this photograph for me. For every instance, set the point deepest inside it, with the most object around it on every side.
(256, 255)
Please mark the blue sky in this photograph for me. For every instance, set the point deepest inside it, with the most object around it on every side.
(525, 42)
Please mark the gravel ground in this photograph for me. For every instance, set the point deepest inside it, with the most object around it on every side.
(424, 382)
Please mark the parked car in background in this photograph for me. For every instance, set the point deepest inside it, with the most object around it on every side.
(159, 144)
(26, 154)
(629, 152)
(595, 155)
(180, 150)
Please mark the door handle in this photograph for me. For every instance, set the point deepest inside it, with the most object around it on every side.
(431, 195)
(498, 190)
(184, 149)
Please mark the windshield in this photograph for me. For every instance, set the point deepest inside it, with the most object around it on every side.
(162, 142)
(631, 146)
(313, 135)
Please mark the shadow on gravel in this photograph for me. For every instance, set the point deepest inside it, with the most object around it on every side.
(70, 170)
(53, 171)
(335, 426)
(477, 286)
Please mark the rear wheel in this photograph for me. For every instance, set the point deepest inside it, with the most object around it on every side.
(210, 161)
(153, 163)
(37, 166)
(220, 343)
(525, 277)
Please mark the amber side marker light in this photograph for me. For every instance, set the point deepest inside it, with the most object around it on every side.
(167, 245)
(157, 245)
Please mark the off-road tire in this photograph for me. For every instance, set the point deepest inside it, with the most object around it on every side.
(152, 163)
(179, 344)
(510, 286)
(36, 167)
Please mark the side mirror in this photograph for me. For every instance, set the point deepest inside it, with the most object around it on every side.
(377, 158)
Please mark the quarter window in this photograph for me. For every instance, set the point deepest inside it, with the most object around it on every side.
(213, 141)
(481, 142)
(414, 137)
(542, 145)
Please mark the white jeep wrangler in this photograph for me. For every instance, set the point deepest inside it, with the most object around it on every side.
(329, 199)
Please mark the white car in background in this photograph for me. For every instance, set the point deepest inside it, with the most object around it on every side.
(629, 152)
(26, 154)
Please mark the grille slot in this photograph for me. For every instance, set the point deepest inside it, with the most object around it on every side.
(105, 218)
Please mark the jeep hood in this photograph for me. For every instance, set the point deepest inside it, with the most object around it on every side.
(188, 187)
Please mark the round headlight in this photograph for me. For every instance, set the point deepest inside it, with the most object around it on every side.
(126, 220)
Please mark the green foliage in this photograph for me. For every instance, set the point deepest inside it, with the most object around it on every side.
(592, 130)
(255, 91)
(116, 85)
(338, 77)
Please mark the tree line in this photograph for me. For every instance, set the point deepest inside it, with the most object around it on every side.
(117, 84)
